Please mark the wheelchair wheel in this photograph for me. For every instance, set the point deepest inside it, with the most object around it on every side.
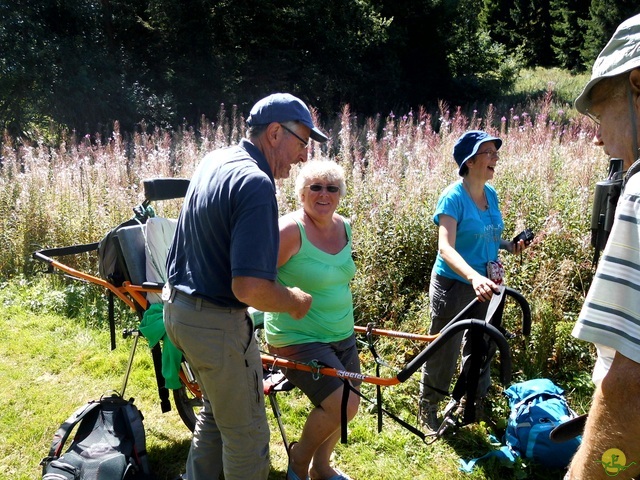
(188, 399)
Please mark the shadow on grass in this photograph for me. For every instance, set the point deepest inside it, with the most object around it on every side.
(167, 462)
(472, 441)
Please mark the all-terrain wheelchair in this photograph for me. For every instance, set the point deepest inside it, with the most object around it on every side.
(132, 263)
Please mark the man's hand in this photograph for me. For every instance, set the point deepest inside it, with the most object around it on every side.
(301, 303)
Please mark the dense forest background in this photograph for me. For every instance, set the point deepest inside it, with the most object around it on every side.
(83, 64)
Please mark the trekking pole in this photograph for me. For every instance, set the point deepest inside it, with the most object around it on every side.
(136, 335)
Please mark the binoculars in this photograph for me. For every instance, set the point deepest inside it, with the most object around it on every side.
(605, 200)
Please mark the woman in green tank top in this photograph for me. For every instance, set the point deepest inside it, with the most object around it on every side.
(315, 256)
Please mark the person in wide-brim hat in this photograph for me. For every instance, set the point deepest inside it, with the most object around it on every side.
(610, 315)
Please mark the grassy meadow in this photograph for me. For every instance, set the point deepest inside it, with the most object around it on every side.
(66, 189)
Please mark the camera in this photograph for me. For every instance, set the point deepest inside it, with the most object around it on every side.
(526, 235)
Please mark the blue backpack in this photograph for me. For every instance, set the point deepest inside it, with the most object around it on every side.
(537, 407)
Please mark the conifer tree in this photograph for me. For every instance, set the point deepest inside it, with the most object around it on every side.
(567, 36)
(604, 17)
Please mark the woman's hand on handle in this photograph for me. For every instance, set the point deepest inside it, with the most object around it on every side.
(484, 288)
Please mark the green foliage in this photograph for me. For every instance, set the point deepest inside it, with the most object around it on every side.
(537, 83)
(51, 365)
(522, 26)
(396, 169)
(483, 67)
(604, 17)
(74, 191)
(164, 63)
(59, 296)
(389, 288)
(567, 35)
(532, 30)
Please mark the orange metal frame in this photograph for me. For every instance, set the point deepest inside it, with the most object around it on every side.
(133, 295)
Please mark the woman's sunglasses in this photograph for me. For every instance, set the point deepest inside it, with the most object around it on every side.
(318, 188)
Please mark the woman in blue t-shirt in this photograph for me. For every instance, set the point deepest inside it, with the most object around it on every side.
(470, 230)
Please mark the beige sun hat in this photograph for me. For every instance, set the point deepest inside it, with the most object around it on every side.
(620, 55)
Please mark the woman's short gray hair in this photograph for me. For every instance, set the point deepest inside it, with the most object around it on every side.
(325, 170)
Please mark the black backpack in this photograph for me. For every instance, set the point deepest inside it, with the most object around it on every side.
(110, 264)
(109, 444)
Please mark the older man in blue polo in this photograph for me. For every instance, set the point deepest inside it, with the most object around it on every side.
(223, 259)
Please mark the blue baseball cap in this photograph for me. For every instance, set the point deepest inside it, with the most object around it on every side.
(467, 146)
(284, 107)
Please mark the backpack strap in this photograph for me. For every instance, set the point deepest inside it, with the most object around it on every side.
(480, 359)
(133, 420)
(633, 169)
(545, 395)
(505, 455)
(379, 406)
(65, 429)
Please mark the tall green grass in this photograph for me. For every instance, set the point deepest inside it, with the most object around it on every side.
(50, 366)
(397, 165)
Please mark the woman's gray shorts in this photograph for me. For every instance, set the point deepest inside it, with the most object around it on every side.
(342, 355)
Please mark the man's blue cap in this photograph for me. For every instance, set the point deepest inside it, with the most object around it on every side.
(467, 146)
(284, 107)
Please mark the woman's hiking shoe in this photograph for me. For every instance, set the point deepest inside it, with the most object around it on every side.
(428, 415)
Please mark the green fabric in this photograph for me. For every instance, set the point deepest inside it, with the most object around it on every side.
(152, 327)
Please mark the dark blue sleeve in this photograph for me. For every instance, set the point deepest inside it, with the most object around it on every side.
(254, 230)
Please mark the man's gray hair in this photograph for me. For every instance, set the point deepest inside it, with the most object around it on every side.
(255, 131)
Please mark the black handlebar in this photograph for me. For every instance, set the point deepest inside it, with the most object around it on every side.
(524, 306)
(451, 330)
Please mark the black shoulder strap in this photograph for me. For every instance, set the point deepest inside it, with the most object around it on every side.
(397, 419)
(633, 169)
(65, 429)
(135, 428)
